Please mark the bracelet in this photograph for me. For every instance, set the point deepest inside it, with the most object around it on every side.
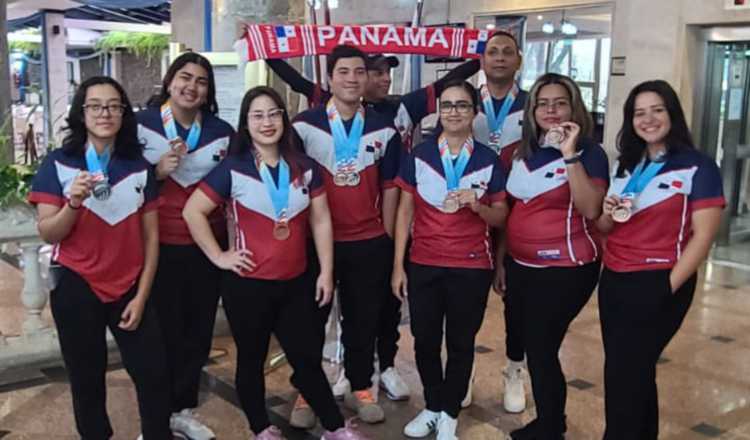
(572, 160)
(70, 205)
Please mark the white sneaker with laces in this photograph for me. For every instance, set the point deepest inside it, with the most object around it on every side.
(185, 423)
(342, 386)
(514, 395)
(394, 386)
(446, 428)
(424, 424)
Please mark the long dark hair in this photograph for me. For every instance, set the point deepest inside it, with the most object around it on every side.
(288, 145)
(210, 106)
(579, 114)
(126, 146)
(631, 146)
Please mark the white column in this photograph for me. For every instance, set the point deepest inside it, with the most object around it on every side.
(33, 295)
(57, 70)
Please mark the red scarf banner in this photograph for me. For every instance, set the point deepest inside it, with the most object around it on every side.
(267, 41)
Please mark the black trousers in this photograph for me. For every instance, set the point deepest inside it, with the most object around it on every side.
(81, 320)
(551, 298)
(457, 298)
(362, 269)
(390, 318)
(639, 316)
(513, 313)
(185, 296)
(255, 309)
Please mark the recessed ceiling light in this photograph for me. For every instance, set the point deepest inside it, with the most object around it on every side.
(490, 26)
(548, 28)
(540, 17)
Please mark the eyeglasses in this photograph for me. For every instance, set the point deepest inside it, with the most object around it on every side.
(275, 115)
(545, 105)
(461, 107)
(98, 109)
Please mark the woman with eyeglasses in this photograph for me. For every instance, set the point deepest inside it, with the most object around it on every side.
(662, 214)
(556, 184)
(96, 199)
(453, 193)
(275, 195)
(185, 140)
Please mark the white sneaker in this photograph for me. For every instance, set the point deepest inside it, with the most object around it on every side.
(342, 386)
(446, 428)
(424, 424)
(394, 386)
(514, 395)
(185, 423)
(470, 390)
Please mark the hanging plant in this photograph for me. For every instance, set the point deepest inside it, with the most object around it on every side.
(138, 43)
(15, 184)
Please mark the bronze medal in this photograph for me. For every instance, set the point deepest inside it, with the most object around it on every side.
(352, 179)
(450, 204)
(281, 231)
(622, 213)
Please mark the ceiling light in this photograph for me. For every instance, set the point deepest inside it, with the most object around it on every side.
(490, 26)
(548, 28)
(540, 17)
(568, 28)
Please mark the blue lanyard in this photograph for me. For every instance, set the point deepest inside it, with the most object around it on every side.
(641, 177)
(346, 146)
(279, 194)
(170, 127)
(97, 163)
(454, 172)
(496, 122)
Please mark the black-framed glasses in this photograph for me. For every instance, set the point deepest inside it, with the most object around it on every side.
(461, 107)
(98, 109)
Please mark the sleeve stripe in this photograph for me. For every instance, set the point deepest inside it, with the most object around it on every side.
(431, 105)
(404, 185)
(46, 198)
(210, 193)
(712, 202)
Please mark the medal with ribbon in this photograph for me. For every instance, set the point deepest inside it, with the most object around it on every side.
(640, 178)
(170, 129)
(279, 195)
(495, 122)
(346, 147)
(97, 166)
(454, 171)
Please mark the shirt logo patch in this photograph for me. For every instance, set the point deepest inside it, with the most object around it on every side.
(370, 149)
(548, 254)
(677, 184)
(220, 155)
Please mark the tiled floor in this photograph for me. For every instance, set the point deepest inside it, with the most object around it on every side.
(704, 379)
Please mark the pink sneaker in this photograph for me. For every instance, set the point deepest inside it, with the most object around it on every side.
(270, 433)
(348, 432)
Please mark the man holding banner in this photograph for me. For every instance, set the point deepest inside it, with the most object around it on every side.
(358, 151)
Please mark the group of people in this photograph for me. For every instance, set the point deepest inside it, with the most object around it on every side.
(154, 216)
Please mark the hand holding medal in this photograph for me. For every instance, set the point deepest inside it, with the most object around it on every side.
(97, 176)
(620, 209)
(468, 197)
(455, 198)
(80, 189)
(179, 146)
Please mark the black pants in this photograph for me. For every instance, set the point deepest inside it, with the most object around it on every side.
(513, 313)
(551, 298)
(185, 296)
(390, 318)
(639, 315)
(362, 270)
(257, 308)
(81, 320)
(458, 298)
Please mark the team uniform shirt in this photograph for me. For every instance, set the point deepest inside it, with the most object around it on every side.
(194, 166)
(660, 226)
(105, 245)
(510, 138)
(238, 182)
(544, 227)
(355, 210)
(461, 239)
(406, 111)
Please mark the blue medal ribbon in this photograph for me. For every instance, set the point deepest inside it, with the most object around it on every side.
(641, 177)
(454, 172)
(346, 147)
(170, 127)
(95, 162)
(495, 122)
(279, 194)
